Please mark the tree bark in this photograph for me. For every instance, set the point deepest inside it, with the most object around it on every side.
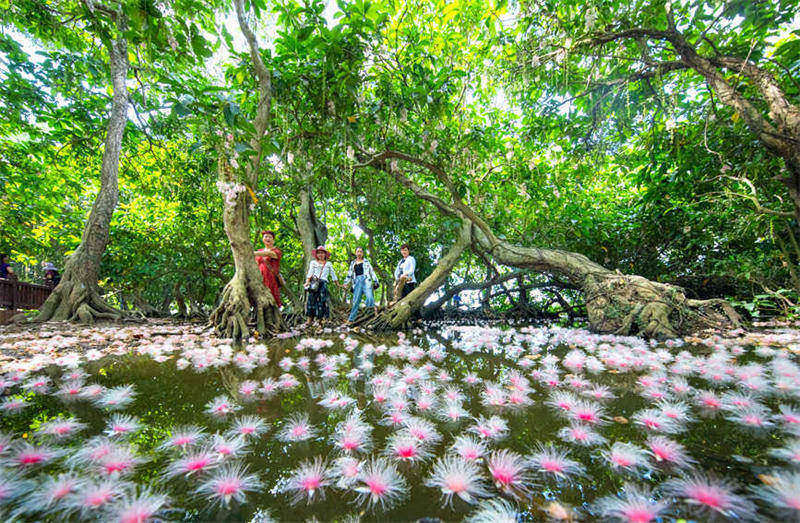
(78, 296)
(312, 232)
(397, 316)
(615, 302)
(246, 292)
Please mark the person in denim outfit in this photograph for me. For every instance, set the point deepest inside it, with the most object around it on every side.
(362, 276)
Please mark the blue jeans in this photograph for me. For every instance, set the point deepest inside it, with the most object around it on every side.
(361, 288)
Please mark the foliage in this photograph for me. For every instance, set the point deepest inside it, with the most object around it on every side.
(557, 143)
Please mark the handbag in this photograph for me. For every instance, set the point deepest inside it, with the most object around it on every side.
(313, 283)
(375, 285)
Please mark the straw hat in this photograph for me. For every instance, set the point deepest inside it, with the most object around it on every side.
(319, 249)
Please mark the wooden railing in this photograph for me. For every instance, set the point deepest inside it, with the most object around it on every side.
(21, 295)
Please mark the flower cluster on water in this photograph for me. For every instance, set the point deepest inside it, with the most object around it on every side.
(417, 408)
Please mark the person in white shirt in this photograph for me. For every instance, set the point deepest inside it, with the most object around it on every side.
(405, 281)
(320, 272)
(363, 278)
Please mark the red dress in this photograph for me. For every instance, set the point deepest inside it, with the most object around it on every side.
(269, 267)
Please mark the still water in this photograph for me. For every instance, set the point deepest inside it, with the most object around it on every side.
(167, 397)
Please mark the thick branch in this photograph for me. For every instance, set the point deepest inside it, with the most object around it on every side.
(264, 78)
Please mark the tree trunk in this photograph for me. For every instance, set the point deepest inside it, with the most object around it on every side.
(397, 316)
(144, 306)
(78, 296)
(246, 292)
(312, 232)
(523, 291)
(615, 302)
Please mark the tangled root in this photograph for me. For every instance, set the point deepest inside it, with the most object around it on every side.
(74, 300)
(628, 304)
(392, 319)
(230, 317)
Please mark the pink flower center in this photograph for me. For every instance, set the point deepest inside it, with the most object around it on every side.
(552, 466)
(30, 459)
(504, 477)
(182, 440)
(62, 491)
(117, 466)
(406, 452)
(793, 502)
(349, 444)
(97, 499)
(247, 430)
(376, 486)
(622, 461)
(311, 483)
(639, 515)
(228, 488)
(707, 497)
(299, 431)
(136, 515)
(456, 485)
(197, 464)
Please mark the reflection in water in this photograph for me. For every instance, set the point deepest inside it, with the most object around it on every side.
(536, 422)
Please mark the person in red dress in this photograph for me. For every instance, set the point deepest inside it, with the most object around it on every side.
(269, 263)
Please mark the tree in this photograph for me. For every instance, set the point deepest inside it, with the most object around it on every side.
(78, 296)
(245, 291)
(603, 49)
(615, 302)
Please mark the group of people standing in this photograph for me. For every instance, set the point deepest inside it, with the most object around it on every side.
(360, 276)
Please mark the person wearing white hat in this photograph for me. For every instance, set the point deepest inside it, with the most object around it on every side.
(320, 272)
(51, 275)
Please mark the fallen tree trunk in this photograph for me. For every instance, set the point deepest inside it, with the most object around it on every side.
(615, 302)
(398, 315)
(78, 296)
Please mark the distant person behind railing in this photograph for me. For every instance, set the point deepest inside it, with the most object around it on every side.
(5, 269)
(51, 275)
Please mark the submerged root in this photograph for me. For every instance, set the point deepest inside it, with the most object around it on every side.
(627, 305)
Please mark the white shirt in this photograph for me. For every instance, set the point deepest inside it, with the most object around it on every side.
(406, 268)
(323, 272)
(369, 273)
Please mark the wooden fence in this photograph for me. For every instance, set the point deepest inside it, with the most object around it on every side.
(21, 295)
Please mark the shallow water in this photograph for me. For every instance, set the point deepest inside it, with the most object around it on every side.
(167, 397)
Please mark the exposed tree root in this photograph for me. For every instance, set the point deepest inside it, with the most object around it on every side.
(75, 300)
(391, 319)
(398, 316)
(628, 304)
(239, 297)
